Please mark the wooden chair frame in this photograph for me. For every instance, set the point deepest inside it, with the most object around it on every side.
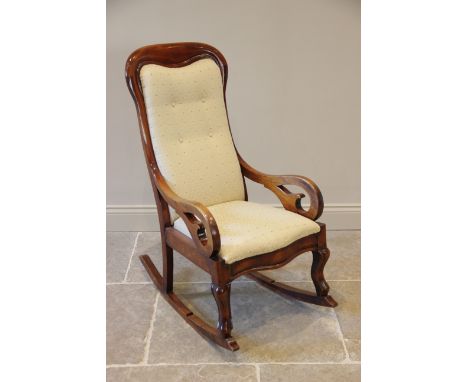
(203, 247)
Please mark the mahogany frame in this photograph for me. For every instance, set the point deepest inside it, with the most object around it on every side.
(203, 247)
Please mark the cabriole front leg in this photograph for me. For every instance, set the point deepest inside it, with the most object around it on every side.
(222, 295)
(320, 258)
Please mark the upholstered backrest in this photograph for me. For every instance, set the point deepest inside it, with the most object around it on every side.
(190, 132)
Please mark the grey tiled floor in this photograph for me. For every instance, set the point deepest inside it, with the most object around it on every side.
(279, 339)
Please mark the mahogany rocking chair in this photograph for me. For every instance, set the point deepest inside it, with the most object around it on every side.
(198, 179)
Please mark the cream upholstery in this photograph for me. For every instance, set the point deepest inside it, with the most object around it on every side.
(190, 132)
(248, 229)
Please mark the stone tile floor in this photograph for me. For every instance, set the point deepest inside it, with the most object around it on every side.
(279, 339)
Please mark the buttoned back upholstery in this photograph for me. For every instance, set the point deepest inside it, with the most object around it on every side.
(190, 132)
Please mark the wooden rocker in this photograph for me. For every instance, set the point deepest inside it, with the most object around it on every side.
(198, 179)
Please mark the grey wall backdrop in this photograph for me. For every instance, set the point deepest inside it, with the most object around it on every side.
(293, 94)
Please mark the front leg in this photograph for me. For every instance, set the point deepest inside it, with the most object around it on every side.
(320, 258)
(222, 295)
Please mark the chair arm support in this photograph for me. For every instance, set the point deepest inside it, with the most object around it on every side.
(198, 219)
(290, 201)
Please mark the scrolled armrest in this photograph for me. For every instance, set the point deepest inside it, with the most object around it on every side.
(290, 201)
(198, 219)
(201, 225)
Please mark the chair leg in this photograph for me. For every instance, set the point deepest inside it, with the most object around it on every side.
(210, 332)
(222, 295)
(168, 267)
(320, 258)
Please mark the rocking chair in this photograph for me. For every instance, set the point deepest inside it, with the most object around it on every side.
(198, 179)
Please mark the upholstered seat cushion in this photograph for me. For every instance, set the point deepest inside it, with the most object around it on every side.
(248, 229)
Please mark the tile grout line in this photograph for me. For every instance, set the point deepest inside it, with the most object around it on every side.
(149, 333)
(257, 372)
(131, 257)
(347, 359)
(111, 366)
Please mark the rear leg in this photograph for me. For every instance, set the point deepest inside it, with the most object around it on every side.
(168, 267)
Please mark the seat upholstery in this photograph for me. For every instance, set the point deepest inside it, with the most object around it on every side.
(248, 229)
(190, 131)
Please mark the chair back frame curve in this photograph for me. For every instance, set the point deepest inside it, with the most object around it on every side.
(203, 247)
(174, 55)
